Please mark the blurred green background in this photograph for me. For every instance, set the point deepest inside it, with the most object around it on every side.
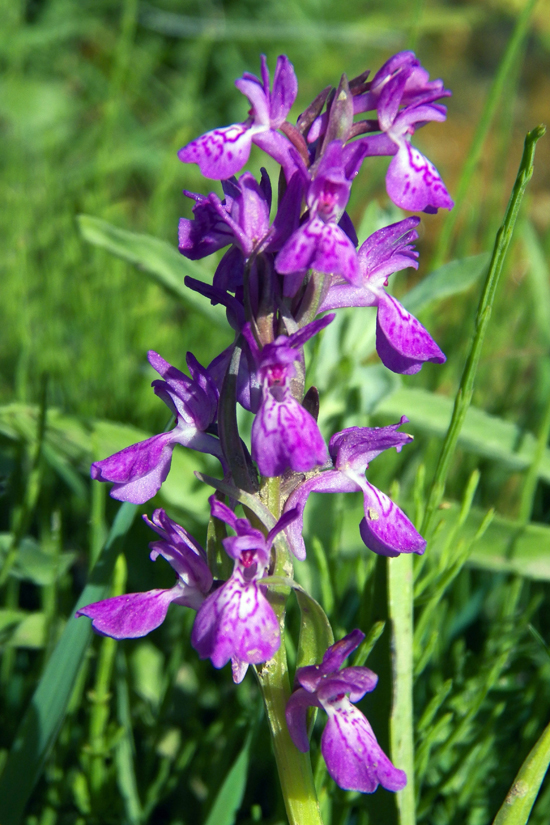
(96, 97)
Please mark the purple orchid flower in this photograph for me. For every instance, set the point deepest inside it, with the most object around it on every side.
(403, 97)
(242, 220)
(353, 757)
(136, 614)
(138, 471)
(236, 621)
(221, 153)
(385, 529)
(403, 344)
(320, 243)
(284, 434)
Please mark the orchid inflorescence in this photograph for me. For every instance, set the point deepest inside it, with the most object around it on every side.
(277, 280)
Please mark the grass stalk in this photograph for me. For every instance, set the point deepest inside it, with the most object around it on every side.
(464, 395)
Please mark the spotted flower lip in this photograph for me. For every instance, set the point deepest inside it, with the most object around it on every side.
(403, 344)
(134, 615)
(320, 243)
(221, 153)
(284, 434)
(138, 471)
(353, 757)
(385, 529)
(236, 621)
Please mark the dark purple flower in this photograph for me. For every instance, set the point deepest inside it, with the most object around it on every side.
(284, 434)
(353, 757)
(221, 153)
(136, 614)
(403, 344)
(138, 471)
(242, 218)
(404, 100)
(320, 243)
(236, 621)
(385, 528)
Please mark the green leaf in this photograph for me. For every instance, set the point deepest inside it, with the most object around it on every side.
(450, 279)
(30, 632)
(71, 443)
(481, 433)
(43, 718)
(155, 257)
(315, 631)
(147, 666)
(34, 565)
(505, 546)
(230, 796)
(517, 806)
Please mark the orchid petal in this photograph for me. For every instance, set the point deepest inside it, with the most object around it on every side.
(414, 183)
(130, 616)
(221, 153)
(402, 343)
(354, 758)
(386, 530)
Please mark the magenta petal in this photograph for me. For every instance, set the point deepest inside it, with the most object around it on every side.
(130, 616)
(299, 251)
(285, 89)
(336, 254)
(236, 620)
(354, 758)
(386, 530)
(402, 343)
(285, 435)
(238, 670)
(414, 183)
(220, 153)
(137, 471)
(296, 717)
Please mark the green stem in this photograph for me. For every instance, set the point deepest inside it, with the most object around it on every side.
(466, 389)
(294, 768)
(101, 695)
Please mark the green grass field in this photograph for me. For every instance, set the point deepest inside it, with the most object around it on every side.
(95, 100)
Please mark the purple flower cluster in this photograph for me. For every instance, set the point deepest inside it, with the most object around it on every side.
(277, 279)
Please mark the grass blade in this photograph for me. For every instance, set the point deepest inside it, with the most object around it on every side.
(481, 433)
(230, 796)
(156, 257)
(465, 392)
(42, 721)
(521, 797)
(400, 593)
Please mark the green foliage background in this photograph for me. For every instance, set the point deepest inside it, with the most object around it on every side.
(96, 97)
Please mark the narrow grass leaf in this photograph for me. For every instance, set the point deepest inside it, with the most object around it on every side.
(400, 595)
(315, 631)
(450, 279)
(481, 433)
(230, 796)
(538, 281)
(464, 395)
(155, 257)
(521, 797)
(41, 723)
